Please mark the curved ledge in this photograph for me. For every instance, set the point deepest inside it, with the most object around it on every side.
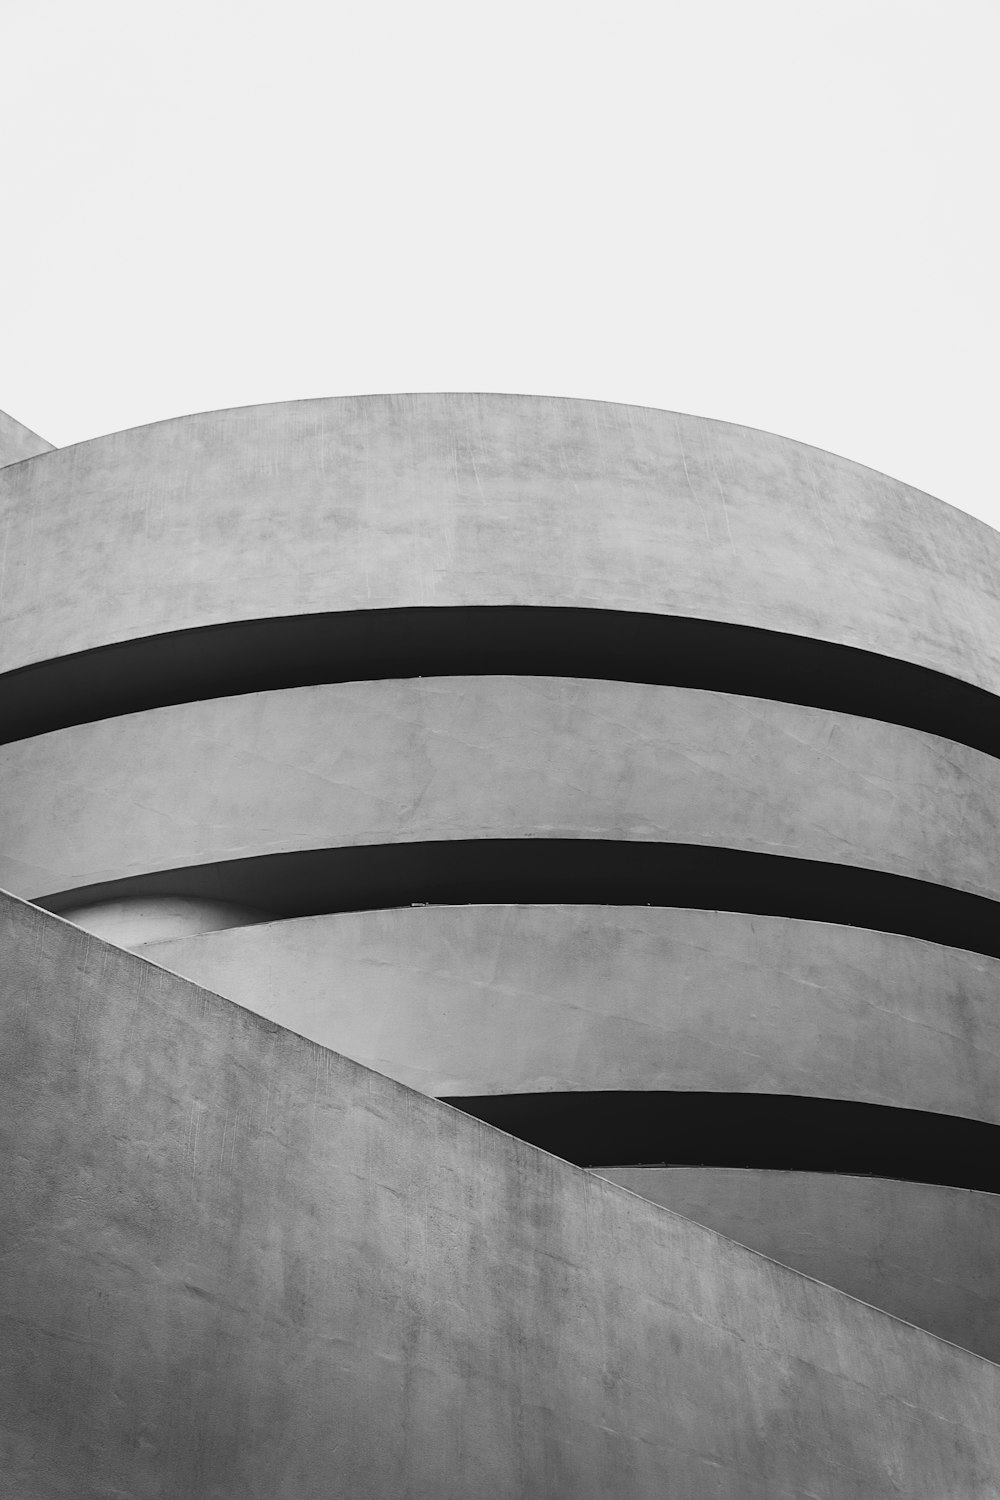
(620, 997)
(780, 1132)
(456, 758)
(250, 656)
(397, 501)
(605, 872)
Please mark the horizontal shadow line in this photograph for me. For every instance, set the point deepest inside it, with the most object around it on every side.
(250, 656)
(780, 1132)
(558, 871)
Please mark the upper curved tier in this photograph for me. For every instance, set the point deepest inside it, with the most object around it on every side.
(372, 502)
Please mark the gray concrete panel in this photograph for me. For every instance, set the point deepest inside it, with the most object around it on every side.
(384, 501)
(507, 999)
(491, 757)
(237, 1265)
(925, 1253)
(18, 442)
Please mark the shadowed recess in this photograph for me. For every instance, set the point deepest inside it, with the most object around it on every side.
(783, 1132)
(591, 872)
(250, 656)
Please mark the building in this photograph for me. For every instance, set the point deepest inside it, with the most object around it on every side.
(628, 781)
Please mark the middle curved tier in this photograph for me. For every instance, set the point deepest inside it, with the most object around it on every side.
(478, 758)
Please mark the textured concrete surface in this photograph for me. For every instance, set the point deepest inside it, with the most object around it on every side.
(370, 501)
(238, 1265)
(925, 1253)
(479, 1000)
(18, 442)
(491, 757)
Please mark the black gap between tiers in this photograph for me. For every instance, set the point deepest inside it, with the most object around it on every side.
(361, 645)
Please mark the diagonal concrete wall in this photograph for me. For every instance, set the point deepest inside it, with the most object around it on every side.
(927, 1253)
(237, 1265)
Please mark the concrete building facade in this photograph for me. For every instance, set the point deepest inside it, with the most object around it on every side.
(621, 782)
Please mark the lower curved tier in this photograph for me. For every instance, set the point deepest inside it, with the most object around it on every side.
(473, 1000)
(922, 1252)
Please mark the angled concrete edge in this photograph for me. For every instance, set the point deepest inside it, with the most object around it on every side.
(307, 1279)
(18, 442)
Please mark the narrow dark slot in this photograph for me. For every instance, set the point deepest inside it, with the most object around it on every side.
(255, 655)
(771, 1131)
(601, 872)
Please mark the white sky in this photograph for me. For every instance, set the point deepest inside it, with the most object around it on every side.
(778, 212)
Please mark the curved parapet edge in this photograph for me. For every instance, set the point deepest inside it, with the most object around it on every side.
(400, 502)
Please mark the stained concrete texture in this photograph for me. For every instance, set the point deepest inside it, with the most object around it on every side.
(383, 501)
(525, 999)
(926, 1253)
(492, 757)
(18, 442)
(238, 1265)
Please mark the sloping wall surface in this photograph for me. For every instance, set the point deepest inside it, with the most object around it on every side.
(926, 1253)
(237, 1265)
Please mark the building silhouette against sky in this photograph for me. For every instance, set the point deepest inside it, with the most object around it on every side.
(624, 780)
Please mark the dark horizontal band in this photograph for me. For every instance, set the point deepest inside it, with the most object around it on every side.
(250, 656)
(590, 872)
(782, 1132)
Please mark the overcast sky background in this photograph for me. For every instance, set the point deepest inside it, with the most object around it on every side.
(782, 213)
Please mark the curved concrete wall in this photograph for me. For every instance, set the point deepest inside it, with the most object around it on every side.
(366, 508)
(484, 999)
(492, 757)
(925, 1253)
(366, 502)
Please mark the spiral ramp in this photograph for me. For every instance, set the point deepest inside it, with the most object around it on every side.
(630, 781)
